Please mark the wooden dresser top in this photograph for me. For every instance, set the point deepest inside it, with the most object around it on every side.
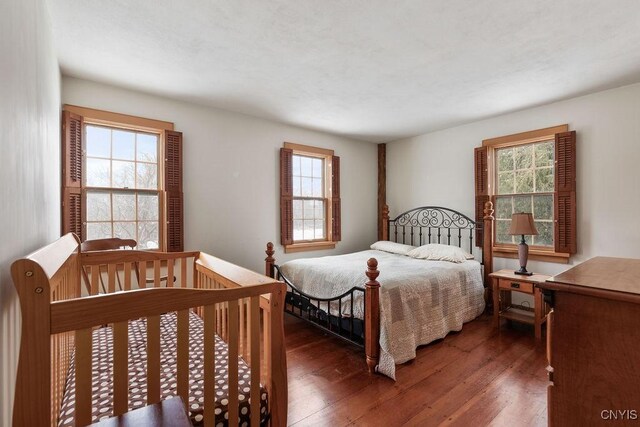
(607, 274)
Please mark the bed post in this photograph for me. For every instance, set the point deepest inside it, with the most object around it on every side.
(372, 315)
(385, 223)
(33, 380)
(487, 243)
(269, 261)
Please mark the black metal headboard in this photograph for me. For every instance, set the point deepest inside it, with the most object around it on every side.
(433, 224)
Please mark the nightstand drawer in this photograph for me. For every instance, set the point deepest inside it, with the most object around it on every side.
(515, 285)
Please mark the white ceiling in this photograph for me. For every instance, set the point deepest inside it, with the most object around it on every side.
(376, 70)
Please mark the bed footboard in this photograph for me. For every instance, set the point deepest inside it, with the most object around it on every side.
(243, 308)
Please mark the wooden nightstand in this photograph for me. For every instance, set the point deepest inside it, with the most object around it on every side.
(506, 281)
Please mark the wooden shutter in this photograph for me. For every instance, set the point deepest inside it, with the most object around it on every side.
(72, 174)
(336, 230)
(482, 187)
(174, 202)
(565, 235)
(286, 196)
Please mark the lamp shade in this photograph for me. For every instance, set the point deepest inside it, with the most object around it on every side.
(522, 223)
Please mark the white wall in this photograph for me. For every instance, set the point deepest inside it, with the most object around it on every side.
(29, 150)
(437, 168)
(231, 177)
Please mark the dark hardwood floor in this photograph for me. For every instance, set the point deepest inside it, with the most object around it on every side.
(475, 377)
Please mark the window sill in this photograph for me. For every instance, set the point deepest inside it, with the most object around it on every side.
(310, 246)
(534, 254)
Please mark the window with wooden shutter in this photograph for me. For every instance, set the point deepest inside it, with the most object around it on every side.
(122, 177)
(530, 172)
(309, 198)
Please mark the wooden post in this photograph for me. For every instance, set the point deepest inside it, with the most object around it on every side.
(385, 223)
(33, 380)
(269, 260)
(372, 315)
(278, 396)
(487, 243)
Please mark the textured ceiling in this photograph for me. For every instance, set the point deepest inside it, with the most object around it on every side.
(377, 70)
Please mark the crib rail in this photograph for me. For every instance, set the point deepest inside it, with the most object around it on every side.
(242, 307)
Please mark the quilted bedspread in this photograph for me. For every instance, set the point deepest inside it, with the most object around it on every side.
(420, 301)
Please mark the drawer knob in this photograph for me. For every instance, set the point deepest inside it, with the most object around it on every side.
(515, 285)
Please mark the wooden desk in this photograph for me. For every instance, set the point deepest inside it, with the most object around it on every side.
(506, 281)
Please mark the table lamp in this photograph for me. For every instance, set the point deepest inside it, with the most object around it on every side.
(522, 224)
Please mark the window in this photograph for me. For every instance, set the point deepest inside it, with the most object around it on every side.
(122, 186)
(530, 172)
(310, 198)
(122, 177)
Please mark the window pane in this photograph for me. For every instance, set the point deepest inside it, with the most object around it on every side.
(297, 209)
(124, 207)
(297, 230)
(319, 209)
(98, 206)
(523, 156)
(123, 174)
(505, 183)
(524, 181)
(124, 145)
(504, 207)
(522, 204)
(505, 159)
(147, 147)
(317, 168)
(147, 175)
(544, 180)
(317, 187)
(305, 166)
(297, 191)
(544, 153)
(545, 234)
(98, 173)
(543, 207)
(296, 165)
(98, 230)
(502, 231)
(124, 230)
(307, 187)
(148, 235)
(319, 229)
(98, 141)
(309, 232)
(308, 209)
(148, 207)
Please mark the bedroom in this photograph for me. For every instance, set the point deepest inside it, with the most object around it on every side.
(240, 80)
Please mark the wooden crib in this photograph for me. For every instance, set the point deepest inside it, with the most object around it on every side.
(239, 309)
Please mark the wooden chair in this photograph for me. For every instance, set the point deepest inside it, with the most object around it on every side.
(113, 243)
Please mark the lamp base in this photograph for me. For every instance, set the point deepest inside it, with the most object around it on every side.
(523, 254)
(523, 272)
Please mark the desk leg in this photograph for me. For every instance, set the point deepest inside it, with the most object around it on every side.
(538, 303)
(496, 302)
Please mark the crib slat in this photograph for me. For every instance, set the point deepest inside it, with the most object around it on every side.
(111, 273)
(153, 360)
(120, 368)
(183, 272)
(156, 273)
(127, 276)
(209, 365)
(266, 343)
(95, 279)
(183, 355)
(233, 362)
(170, 273)
(142, 274)
(255, 360)
(243, 329)
(83, 359)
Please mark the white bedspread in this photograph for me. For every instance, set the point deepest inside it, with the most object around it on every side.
(420, 301)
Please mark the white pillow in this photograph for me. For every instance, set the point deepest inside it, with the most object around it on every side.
(392, 247)
(437, 252)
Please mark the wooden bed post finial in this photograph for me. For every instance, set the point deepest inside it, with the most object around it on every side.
(487, 242)
(269, 260)
(385, 223)
(372, 315)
